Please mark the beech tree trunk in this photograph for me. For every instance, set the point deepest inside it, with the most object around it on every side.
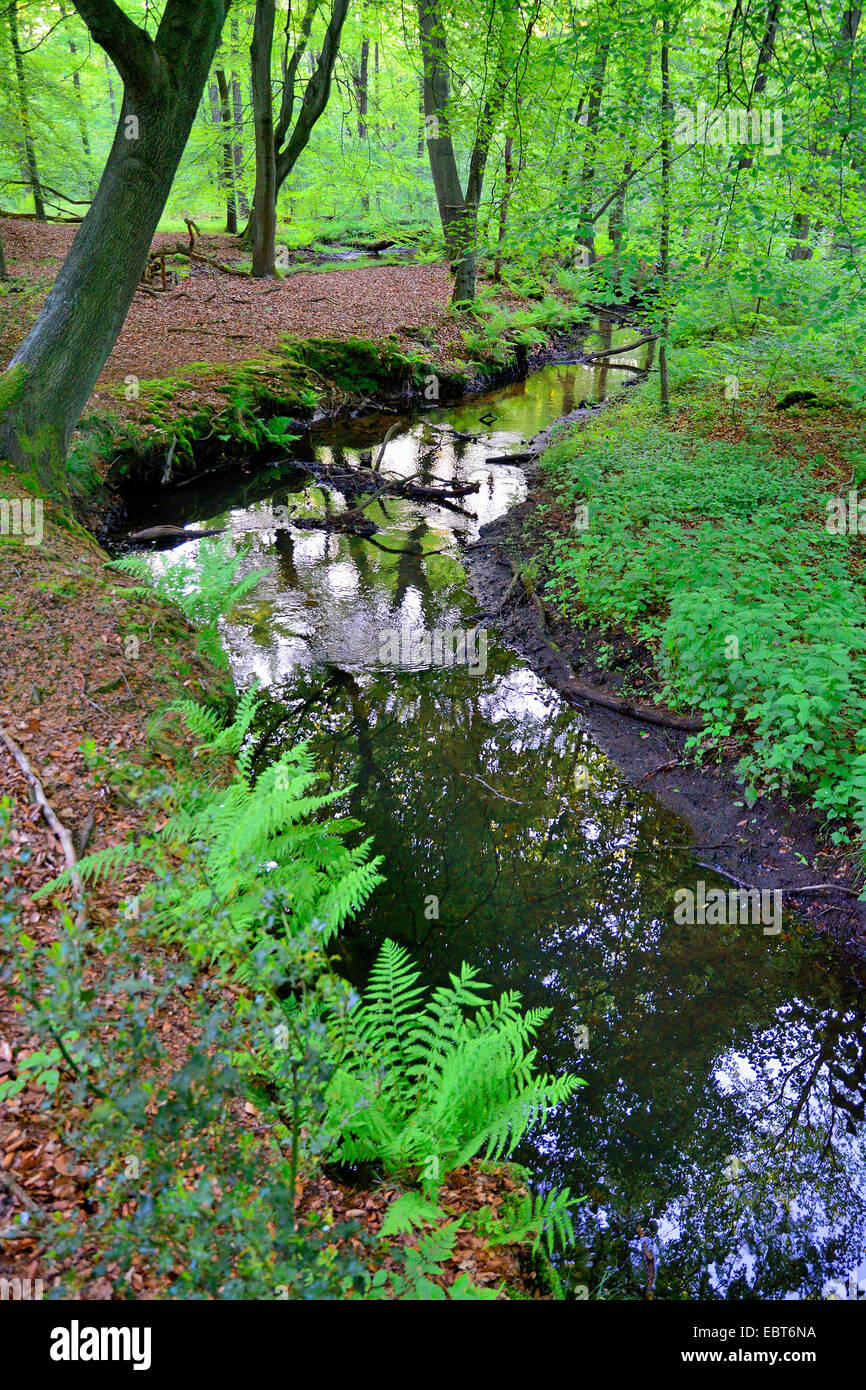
(111, 100)
(503, 207)
(361, 93)
(55, 369)
(228, 158)
(82, 121)
(24, 111)
(801, 223)
(593, 114)
(665, 237)
(458, 212)
(264, 217)
(238, 115)
(288, 148)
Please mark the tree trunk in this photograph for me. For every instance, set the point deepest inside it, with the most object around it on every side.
(665, 237)
(458, 213)
(56, 367)
(228, 159)
(801, 223)
(593, 114)
(361, 89)
(79, 111)
(617, 221)
(110, 88)
(361, 93)
(503, 207)
(4, 273)
(24, 111)
(264, 215)
(238, 115)
(288, 148)
(440, 149)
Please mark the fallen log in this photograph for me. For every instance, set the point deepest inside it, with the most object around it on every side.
(434, 494)
(649, 715)
(579, 690)
(165, 533)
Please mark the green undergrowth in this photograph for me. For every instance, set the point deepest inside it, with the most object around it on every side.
(717, 553)
(244, 876)
(264, 400)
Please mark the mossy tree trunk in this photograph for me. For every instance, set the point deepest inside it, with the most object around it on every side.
(57, 365)
(264, 218)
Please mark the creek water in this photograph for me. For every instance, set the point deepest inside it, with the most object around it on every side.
(723, 1115)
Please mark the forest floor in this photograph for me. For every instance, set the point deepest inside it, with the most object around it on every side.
(226, 319)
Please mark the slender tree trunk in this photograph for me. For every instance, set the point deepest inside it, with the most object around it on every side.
(503, 207)
(238, 115)
(801, 223)
(110, 88)
(4, 273)
(24, 111)
(228, 159)
(759, 83)
(289, 147)
(361, 93)
(664, 240)
(264, 218)
(79, 110)
(55, 369)
(593, 114)
(458, 213)
(617, 221)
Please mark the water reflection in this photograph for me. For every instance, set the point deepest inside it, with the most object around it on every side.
(724, 1111)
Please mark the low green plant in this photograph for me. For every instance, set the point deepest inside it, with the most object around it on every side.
(717, 554)
(203, 586)
(430, 1086)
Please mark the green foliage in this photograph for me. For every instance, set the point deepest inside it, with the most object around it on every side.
(244, 846)
(719, 556)
(433, 1086)
(203, 586)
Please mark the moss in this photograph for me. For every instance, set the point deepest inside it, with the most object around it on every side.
(11, 385)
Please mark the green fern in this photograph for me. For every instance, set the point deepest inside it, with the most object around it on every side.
(203, 586)
(535, 1218)
(428, 1082)
(253, 841)
(103, 864)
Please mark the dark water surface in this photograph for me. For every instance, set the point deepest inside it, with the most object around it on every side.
(726, 1068)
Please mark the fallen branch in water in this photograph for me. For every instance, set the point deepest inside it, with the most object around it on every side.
(577, 689)
(753, 888)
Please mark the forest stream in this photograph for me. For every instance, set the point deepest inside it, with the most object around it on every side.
(719, 1139)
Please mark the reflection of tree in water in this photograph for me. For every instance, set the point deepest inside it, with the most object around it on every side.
(696, 1053)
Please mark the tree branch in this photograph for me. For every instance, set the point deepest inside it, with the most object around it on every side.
(131, 50)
